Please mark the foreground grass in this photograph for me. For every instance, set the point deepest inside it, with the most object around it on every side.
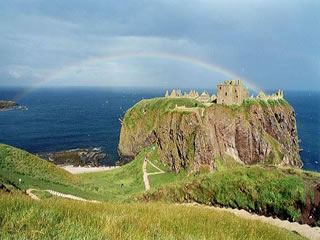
(23, 218)
(264, 190)
(277, 191)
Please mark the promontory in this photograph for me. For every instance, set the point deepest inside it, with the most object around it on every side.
(198, 132)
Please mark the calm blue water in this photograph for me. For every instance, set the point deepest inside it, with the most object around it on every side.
(61, 119)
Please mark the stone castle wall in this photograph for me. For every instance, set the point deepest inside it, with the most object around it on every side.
(231, 92)
(228, 93)
(274, 96)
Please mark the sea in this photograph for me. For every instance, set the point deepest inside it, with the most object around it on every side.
(60, 119)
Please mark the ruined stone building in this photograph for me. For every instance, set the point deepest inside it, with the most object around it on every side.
(228, 93)
(231, 92)
(274, 96)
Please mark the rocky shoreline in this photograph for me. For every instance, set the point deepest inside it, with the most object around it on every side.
(84, 157)
(10, 105)
(87, 169)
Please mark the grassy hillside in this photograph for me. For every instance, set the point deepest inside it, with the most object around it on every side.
(266, 190)
(284, 192)
(7, 186)
(23, 163)
(37, 173)
(23, 218)
(108, 184)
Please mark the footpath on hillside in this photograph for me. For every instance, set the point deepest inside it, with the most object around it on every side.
(58, 194)
(304, 230)
(145, 174)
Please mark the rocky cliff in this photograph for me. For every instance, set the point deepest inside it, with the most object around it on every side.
(192, 136)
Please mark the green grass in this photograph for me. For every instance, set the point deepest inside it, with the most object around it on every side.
(154, 158)
(37, 173)
(43, 194)
(256, 188)
(247, 103)
(109, 183)
(276, 156)
(161, 180)
(151, 169)
(226, 163)
(23, 218)
(154, 107)
(25, 164)
(103, 186)
(8, 186)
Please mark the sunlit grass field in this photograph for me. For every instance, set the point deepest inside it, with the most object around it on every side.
(122, 215)
(23, 218)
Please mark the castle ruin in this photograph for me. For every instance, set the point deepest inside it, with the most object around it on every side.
(231, 92)
(274, 96)
(228, 93)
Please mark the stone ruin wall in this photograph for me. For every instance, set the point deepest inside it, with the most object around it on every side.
(274, 96)
(231, 92)
(228, 93)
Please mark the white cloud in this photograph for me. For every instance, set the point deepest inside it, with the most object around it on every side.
(14, 74)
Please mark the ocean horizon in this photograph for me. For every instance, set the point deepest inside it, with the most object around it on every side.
(60, 119)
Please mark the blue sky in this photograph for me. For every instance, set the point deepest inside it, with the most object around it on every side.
(274, 44)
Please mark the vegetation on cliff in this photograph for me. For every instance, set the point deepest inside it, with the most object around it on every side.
(150, 109)
(192, 136)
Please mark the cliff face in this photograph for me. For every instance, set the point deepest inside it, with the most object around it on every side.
(198, 137)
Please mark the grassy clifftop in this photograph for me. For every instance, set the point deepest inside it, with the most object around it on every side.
(150, 109)
(165, 105)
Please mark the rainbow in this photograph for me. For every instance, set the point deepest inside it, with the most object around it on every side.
(166, 56)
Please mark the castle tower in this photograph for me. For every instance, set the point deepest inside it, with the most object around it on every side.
(231, 92)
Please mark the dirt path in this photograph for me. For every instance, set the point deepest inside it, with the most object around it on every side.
(145, 174)
(304, 230)
(160, 171)
(29, 192)
(54, 193)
